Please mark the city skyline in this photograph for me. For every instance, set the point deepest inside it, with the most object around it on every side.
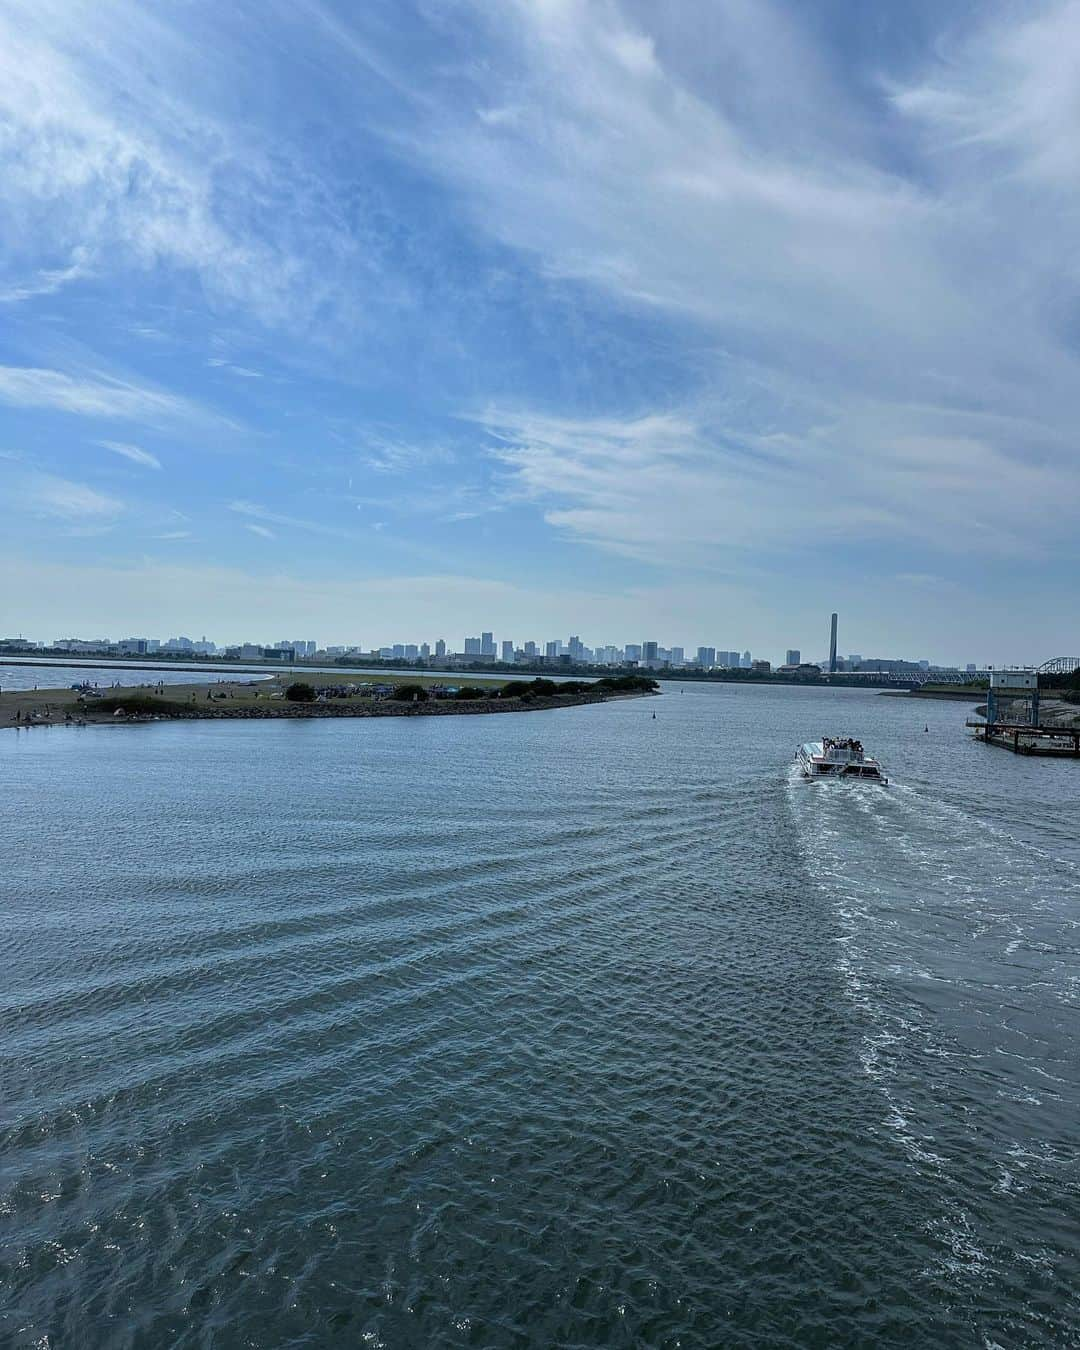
(486, 647)
(593, 318)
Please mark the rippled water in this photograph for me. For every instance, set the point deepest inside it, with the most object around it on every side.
(15, 675)
(571, 1028)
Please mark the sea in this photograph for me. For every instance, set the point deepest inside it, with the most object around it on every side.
(591, 1027)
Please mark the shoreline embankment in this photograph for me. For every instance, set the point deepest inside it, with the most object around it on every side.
(962, 694)
(262, 700)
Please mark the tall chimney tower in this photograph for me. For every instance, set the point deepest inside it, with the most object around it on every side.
(832, 647)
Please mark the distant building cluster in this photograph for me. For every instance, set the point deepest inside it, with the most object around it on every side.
(649, 654)
(174, 646)
(488, 651)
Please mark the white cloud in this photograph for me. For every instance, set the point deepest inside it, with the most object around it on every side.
(261, 530)
(1009, 97)
(47, 281)
(386, 454)
(100, 396)
(218, 363)
(861, 288)
(49, 495)
(708, 490)
(876, 299)
(271, 517)
(132, 452)
(121, 151)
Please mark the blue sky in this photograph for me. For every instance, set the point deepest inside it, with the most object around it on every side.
(392, 321)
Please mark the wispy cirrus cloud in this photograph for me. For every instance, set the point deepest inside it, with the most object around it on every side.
(880, 337)
(707, 488)
(92, 396)
(47, 281)
(122, 151)
(393, 455)
(723, 280)
(135, 453)
(842, 295)
(441, 501)
(267, 516)
(50, 495)
(218, 363)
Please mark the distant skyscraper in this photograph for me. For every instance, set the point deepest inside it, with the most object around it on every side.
(551, 651)
(472, 646)
(649, 651)
(706, 657)
(412, 651)
(832, 647)
(633, 651)
(508, 653)
(440, 649)
(425, 650)
(678, 656)
(532, 651)
(487, 644)
(794, 656)
(746, 661)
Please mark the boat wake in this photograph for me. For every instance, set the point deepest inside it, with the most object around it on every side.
(956, 946)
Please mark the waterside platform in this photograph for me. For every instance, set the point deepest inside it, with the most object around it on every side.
(1053, 742)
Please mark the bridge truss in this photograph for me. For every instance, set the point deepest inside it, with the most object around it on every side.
(1060, 665)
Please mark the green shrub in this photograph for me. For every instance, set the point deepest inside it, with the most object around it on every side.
(410, 693)
(299, 692)
(541, 688)
(515, 689)
(628, 684)
(470, 691)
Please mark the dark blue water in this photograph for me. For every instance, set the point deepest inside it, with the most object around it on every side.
(571, 1028)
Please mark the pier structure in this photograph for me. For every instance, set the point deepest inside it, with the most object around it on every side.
(1053, 742)
(1012, 719)
(1013, 698)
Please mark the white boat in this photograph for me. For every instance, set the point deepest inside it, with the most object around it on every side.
(838, 757)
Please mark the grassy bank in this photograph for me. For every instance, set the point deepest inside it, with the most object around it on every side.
(336, 695)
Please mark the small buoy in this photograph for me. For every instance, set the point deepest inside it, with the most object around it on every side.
(926, 728)
(654, 717)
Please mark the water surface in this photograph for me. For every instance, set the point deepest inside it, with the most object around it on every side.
(15, 675)
(573, 1028)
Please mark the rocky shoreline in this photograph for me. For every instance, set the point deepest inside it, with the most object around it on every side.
(481, 707)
